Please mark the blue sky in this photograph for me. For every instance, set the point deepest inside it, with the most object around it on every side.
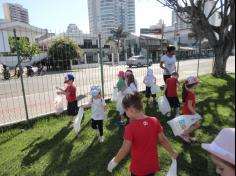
(57, 14)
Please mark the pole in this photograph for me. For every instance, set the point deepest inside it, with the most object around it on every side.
(162, 37)
(21, 77)
(199, 54)
(101, 63)
(178, 54)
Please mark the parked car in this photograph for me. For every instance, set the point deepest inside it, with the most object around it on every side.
(139, 61)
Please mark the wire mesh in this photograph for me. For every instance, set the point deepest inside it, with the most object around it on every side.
(50, 68)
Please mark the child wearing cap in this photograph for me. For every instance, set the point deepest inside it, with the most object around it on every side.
(222, 152)
(70, 93)
(149, 80)
(98, 107)
(189, 106)
(171, 87)
(141, 137)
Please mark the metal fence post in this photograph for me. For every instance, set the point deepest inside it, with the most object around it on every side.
(101, 63)
(21, 76)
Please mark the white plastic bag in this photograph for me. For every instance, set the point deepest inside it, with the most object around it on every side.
(173, 168)
(58, 105)
(182, 123)
(114, 95)
(119, 106)
(155, 89)
(164, 105)
(78, 120)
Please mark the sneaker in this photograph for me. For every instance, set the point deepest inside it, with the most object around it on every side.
(185, 138)
(101, 139)
(168, 115)
(193, 139)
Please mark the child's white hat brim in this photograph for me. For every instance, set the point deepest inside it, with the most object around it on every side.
(223, 146)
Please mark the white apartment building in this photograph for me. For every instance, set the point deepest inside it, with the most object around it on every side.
(15, 12)
(105, 15)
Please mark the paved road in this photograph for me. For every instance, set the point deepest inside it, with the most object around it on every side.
(40, 91)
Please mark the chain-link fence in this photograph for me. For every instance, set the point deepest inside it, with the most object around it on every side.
(29, 80)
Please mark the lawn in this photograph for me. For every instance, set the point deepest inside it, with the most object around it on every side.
(51, 147)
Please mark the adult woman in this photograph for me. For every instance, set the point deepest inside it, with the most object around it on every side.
(168, 62)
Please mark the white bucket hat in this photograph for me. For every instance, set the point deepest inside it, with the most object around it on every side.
(223, 146)
(95, 90)
(192, 80)
(150, 72)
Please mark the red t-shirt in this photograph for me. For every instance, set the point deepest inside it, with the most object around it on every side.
(171, 84)
(191, 97)
(144, 153)
(72, 93)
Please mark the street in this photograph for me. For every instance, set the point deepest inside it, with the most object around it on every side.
(40, 90)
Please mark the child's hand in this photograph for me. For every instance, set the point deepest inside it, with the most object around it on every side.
(175, 155)
(112, 164)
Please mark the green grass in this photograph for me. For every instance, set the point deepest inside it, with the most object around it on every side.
(51, 147)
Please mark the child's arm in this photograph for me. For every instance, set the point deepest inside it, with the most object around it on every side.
(123, 152)
(190, 106)
(155, 80)
(165, 87)
(61, 92)
(167, 146)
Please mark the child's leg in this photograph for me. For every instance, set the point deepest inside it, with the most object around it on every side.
(192, 128)
(177, 111)
(148, 93)
(100, 127)
(154, 97)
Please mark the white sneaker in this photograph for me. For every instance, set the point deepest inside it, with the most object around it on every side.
(101, 139)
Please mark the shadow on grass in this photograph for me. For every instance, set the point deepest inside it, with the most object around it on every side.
(40, 149)
(96, 157)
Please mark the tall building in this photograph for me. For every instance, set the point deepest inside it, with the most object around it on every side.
(15, 12)
(105, 15)
(178, 23)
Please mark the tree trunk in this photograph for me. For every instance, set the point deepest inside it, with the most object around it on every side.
(219, 68)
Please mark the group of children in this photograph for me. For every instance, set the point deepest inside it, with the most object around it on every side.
(142, 133)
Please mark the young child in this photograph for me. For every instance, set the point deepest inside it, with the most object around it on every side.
(141, 137)
(222, 152)
(189, 106)
(130, 72)
(149, 80)
(70, 93)
(121, 86)
(98, 106)
(171, 87)
(130, 88)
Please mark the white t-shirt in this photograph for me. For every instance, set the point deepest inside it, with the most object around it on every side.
(169, 64)
(149, 80)
(98, 109)
(131, 89)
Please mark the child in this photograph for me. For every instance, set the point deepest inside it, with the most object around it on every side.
(149, 80)
(121, 86)
(130, 88)
(189, 106)
(98, 106)
(222, 152)
(141, 137)
(70, 93)
(130, 72)
(171, 92)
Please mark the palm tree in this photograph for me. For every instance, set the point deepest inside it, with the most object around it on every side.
(118, 36)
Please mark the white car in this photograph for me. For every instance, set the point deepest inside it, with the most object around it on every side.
(139, 61)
